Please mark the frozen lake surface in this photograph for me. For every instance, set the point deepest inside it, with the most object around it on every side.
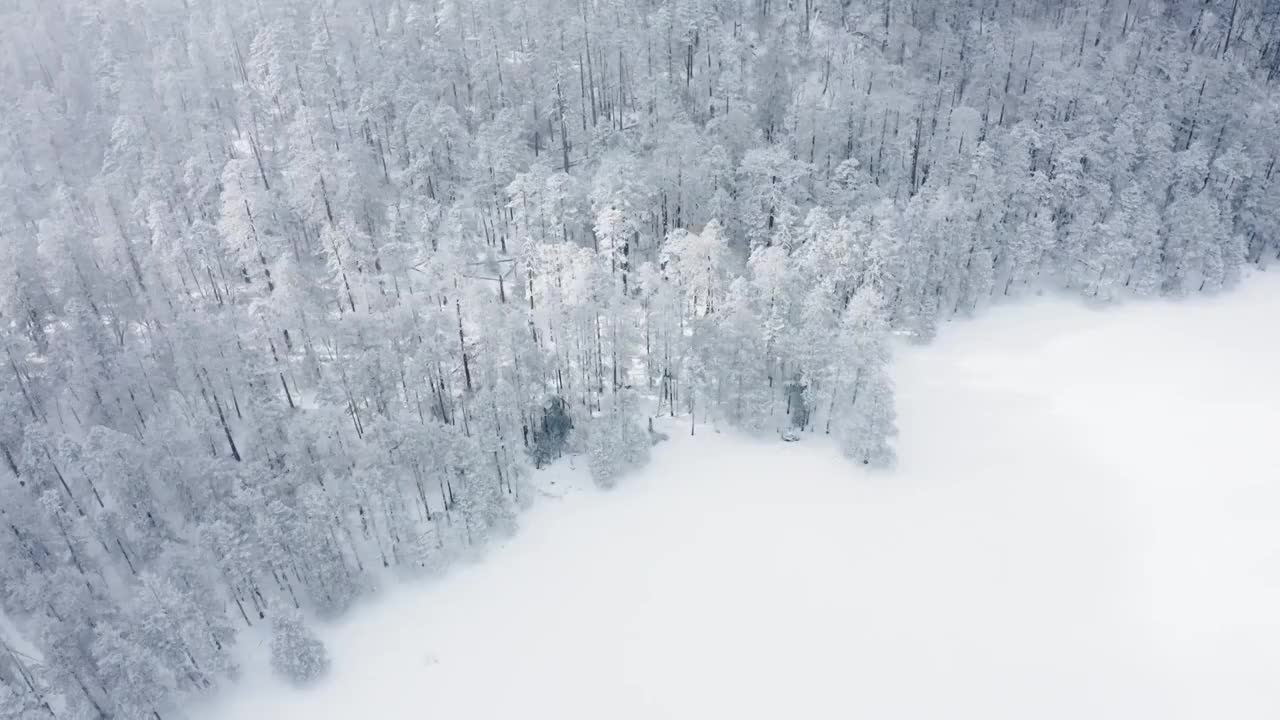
(1083, 524)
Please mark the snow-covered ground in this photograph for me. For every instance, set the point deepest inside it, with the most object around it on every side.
(1085, 523)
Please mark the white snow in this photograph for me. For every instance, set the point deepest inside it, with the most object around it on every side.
(1084, 523)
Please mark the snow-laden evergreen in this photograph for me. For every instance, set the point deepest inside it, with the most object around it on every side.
(296, 654)
(615, 441)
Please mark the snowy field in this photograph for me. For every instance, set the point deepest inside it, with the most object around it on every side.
(1084, 523)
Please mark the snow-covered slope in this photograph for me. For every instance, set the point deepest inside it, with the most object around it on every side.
(1083, 524)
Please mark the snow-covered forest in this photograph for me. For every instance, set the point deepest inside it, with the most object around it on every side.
(295, 296)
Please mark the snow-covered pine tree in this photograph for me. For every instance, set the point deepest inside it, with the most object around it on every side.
(865, 419)
(297, 654)
(616, 441)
